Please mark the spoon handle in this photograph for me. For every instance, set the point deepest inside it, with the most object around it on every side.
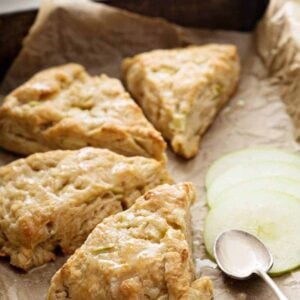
(272, 284)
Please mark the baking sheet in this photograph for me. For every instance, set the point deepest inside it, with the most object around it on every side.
(98, 37)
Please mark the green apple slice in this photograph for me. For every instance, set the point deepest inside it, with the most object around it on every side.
(271, 216)
(249, 155)
(248, 171)
(276, 184)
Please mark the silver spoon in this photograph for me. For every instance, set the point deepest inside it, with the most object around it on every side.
(240, 254)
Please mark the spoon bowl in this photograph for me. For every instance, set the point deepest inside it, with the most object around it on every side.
(240, 254)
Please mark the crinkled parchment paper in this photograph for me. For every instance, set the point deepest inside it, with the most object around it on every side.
(278, 43)
(99, 37)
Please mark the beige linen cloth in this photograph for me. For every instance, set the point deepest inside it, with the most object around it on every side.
(99, 37)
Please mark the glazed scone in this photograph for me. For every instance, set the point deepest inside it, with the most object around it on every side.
(182, 90)
(142, 253)
(55, 199)
(65, 108)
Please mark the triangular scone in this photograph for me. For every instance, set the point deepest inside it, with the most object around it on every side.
(55, 199)
(65, 108)
(182, 90)
(142, 253)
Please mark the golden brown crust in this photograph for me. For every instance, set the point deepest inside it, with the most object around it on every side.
(65, 108)
(201, 289)
(142, 253)
(182, 90)
(56, 198)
